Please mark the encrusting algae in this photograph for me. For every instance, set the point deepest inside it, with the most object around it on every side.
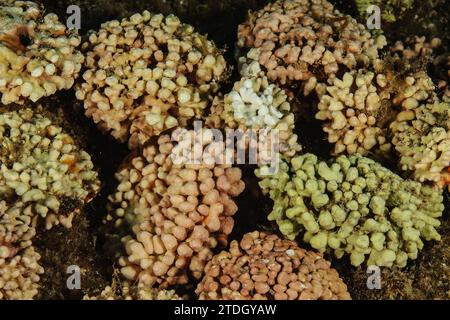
(178, 212)
(303, 43)
(43, 175)
(38, 54)
(256, 106)
(147, 74)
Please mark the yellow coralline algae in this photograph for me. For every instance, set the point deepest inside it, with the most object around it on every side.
(178, 213)
(129, 292)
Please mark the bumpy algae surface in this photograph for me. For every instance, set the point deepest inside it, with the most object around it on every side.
(427, 278)
(83, 244)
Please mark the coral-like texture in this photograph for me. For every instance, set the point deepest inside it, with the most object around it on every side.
(354, 205)
(38, 55)
(255, 105)
(19, 274)
(16, 227)
(413, 48)
(358, 108)
(41, 167)
(305, 41)
(19, 268)
(421, 137)
(127, 292)
(350, 109)
(178, 211)
(264, 267)
(442, 63)
(146, 74)
(426, 279)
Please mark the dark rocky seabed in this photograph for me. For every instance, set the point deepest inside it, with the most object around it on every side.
(426, 278)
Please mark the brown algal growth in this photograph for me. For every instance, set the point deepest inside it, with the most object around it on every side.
(38, 55)
(178, 211)
(262, 266)
(146, 74)
(305, 41)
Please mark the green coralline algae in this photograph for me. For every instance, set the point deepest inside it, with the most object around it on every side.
(391, 10)
(354, 206)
